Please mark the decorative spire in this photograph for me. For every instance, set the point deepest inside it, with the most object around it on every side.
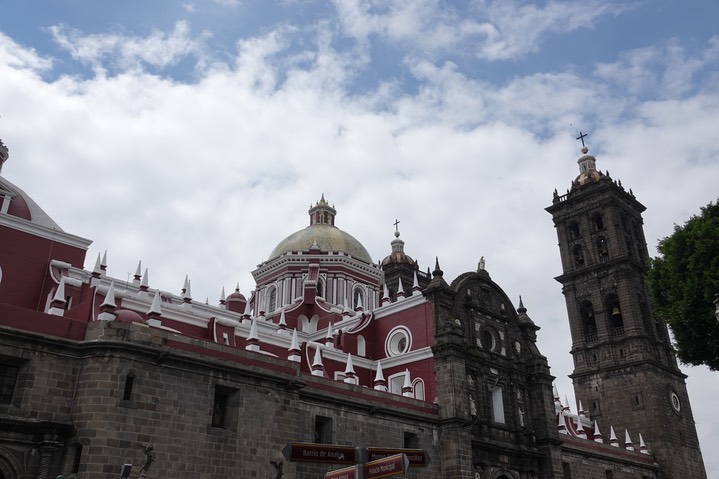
(628, 444)
(385, 296)
(155, 310)
(110, 296)
(57, 305)
(359, 306)
(103, 263)
(253, 339)
(97, 270)
(350, 375)
(613, 437)
(596, 434)
(407, 389)
(437, 271)
(187, 292)
(294, 349)
(642, 447)
(222, 296)
(108, 306)
(580, 409)
(415, 284)
(562, 424)
(282, 325)
(318, 369)
(400, 290)
(580, 428)
(379, 382)
(144, 283)
(138, 274)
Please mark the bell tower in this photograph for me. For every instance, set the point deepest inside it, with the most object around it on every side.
(625, 372)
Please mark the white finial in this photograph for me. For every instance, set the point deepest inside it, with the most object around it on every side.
(98, 268)
(155, 307)
(138, 274)
(628, 444)
(597, 435)
(350, 367)
(407, 389)
(144, 284)
(110, 296)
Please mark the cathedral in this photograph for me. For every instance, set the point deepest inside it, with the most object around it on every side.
(334, 362)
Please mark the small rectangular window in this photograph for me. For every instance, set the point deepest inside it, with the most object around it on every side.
(566, 471)
(220, 407)
(497, 405)
(129, 382)
(323, 430)
(77, 456)
(411, 440)
(8, 380)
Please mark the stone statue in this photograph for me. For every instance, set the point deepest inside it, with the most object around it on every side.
(278, 468)
(149, 458)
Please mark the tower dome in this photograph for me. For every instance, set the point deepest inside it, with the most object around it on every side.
(323, 234)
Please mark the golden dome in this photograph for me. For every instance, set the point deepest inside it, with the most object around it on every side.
(327, 237)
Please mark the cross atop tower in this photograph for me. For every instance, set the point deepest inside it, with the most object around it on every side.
(396, 226)
(582, 136)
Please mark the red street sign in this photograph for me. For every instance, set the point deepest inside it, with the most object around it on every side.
(327, 453)
(344, 473)
(389, 466)
(417, 457)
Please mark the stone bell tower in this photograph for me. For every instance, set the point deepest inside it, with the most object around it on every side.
(625, 372)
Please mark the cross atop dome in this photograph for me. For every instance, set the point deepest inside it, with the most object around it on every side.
(322, 213)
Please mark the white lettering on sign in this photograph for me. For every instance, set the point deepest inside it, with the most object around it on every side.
(383, 468)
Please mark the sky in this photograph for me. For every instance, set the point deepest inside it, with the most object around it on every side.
(193, 136)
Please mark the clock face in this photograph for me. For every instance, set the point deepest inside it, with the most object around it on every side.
(676, 404)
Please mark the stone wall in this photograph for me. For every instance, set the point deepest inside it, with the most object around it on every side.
(268, 404)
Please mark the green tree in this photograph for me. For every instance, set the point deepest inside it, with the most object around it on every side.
(683, 284)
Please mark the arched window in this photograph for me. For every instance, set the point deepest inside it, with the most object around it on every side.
(271, 299)
(614, 310)
(320, 288)
(578, 255)
(361, 346)
(589, 323)
(418, 388)
(573, 230)
(597, 221)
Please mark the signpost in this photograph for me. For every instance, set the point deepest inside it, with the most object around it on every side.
(383, 462)
(417, 457)
(327, 453)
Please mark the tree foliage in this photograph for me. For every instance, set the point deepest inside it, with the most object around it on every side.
(683, 284)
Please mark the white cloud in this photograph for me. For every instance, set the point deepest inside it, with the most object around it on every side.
(159, 49)
(665, 70)
(496, 30)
